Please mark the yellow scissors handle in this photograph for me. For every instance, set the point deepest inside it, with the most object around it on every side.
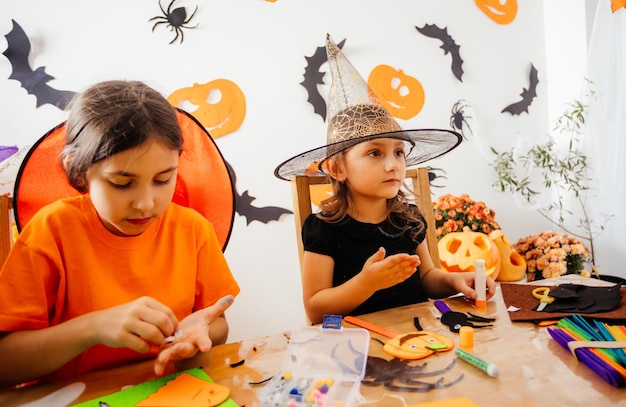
(543, 294)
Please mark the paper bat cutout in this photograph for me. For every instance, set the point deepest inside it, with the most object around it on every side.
(448, 46)
(35, 82)
(527, 95)
(244, 207)
(313, 77)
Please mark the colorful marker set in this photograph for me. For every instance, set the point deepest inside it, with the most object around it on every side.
(598, 345)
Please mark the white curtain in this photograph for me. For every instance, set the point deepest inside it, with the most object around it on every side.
(605, 135)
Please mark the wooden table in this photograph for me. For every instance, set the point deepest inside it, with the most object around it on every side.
(534, 369)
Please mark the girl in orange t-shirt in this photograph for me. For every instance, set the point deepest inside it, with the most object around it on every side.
(118, 273)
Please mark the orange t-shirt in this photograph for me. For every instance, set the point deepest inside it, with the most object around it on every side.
(65, 264)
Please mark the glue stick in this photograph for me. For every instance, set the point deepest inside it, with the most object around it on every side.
(480, 285)
(489, 368)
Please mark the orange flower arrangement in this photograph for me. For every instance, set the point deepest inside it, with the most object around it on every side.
(452, 213)
(551, 254)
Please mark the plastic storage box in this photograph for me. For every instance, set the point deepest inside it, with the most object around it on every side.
(323, 366)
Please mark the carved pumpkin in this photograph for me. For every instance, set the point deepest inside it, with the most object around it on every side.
(502, 12)
(512, 264)
(458, 252)
(219, 105)
(401, 94)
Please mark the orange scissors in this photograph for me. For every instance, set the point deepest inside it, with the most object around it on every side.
(543, 295)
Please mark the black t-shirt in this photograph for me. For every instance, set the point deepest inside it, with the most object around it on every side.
(350, 243)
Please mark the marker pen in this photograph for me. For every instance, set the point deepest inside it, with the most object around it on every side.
(480, 285)
(489, 368)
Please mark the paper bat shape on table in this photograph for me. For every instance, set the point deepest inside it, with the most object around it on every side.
(313, 77)
(35, 82)
(449, 46)
(527, 95)
(244, 207)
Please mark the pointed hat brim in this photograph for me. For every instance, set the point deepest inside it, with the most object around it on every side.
(427, 145)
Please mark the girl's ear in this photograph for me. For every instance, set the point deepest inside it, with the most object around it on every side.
(335, 169)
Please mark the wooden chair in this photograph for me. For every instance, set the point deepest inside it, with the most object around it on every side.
(6, 207)
(417, 178)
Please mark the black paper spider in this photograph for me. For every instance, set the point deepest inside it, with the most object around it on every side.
(434, 174)
(175, 20)
(459, 116)
(399, 375)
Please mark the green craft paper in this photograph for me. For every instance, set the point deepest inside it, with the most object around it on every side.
(133, 395)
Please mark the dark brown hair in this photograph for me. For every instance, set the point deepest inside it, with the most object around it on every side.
(111, 117)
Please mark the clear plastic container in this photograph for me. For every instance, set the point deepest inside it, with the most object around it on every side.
(323, 366)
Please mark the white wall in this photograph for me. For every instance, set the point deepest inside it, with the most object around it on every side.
(261, 46)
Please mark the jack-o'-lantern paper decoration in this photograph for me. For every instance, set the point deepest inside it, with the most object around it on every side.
(617, 4)
(219, 105)
(458, 252)
(502, 12)
(417, 345)
(401, 94)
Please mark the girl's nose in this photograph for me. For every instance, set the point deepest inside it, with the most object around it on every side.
(143, 201)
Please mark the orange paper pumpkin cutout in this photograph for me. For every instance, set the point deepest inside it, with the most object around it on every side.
(513, 264)
(220, 115)
(458, 252)
(502, 12)
(417, 345)
(617, 4)
(203, 181)
(401, 94)
(187, 391)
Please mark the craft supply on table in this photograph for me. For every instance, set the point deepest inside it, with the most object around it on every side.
(410, 345)
(491, 369)
(480, 285)
(597, 344)
(455, 320)
(543, 295)
(323, 366)
(184, 387)
(466, 338)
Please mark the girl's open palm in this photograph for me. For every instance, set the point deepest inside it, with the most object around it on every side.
(193, 335)
(385, 272)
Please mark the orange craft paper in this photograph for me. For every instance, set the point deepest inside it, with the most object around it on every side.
(617, 4)
(187, 391)
(457, 402)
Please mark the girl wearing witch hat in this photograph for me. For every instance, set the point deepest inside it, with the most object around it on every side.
(365, 250)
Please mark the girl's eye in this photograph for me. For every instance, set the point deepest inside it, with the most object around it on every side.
(374, 153)
(119, 186)
(400, 153)
(162, 182)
